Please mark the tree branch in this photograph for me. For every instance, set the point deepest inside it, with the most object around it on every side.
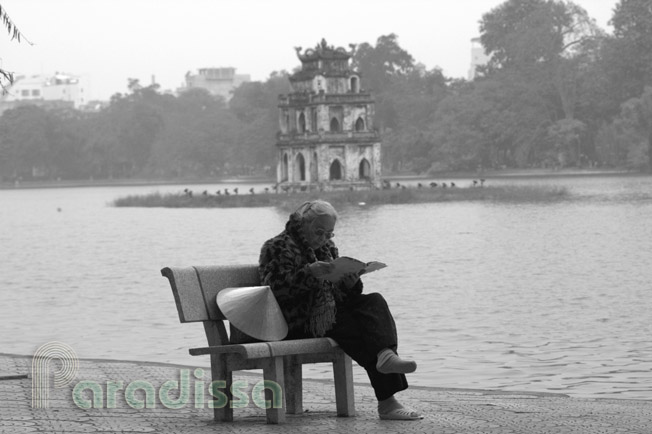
(12, 30)
(7, 77)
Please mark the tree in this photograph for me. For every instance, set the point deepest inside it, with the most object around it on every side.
(613, 142)
(546, 42)
(628, 54)
(542, 52)
(128, 128)
(26, 148)
(381, 64)
(565, 137)
(255, 105)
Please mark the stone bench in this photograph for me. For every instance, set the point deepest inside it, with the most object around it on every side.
(195, 290)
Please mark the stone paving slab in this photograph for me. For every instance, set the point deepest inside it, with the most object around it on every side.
(447, 411)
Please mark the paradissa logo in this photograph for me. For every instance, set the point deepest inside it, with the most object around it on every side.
(62, 360)
(133, 399)
(45, 356)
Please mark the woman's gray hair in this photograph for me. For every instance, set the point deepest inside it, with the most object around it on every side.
(308, 211)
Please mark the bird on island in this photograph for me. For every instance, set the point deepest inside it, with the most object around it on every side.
(433, 184)
(266, 190)
(398, 185)
(419, 185)
(482, 182)
(452, 184)
(475, 182)
(443, 185)
(218, 192)
(226, 192)
(251, 190)
(188, 192)
(235, 190)
(205, 193)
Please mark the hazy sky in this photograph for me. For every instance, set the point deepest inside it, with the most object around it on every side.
(108, 41)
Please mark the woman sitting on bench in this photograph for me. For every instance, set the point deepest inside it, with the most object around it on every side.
(292, 264)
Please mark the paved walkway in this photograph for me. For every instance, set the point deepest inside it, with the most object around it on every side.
(446, 410)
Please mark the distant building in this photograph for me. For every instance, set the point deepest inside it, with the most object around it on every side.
(326, 138)
(217, 81)
(58, 90)
(478, 57)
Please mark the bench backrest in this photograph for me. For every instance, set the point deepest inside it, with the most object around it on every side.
(195, 288)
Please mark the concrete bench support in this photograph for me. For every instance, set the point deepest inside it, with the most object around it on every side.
(195, 290)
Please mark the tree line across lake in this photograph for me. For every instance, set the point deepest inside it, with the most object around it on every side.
(558, 91)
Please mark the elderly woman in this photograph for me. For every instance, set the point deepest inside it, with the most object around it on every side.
(292, 264)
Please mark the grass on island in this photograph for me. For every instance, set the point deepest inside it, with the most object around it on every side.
(289, 201)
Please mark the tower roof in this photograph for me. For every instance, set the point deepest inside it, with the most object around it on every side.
(324, 60)
(324, 51)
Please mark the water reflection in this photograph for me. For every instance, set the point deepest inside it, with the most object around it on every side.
(532, 297)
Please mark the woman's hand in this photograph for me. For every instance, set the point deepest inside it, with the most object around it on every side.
(320, 268)
(349, 280)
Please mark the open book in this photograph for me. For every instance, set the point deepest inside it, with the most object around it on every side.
(345, 265)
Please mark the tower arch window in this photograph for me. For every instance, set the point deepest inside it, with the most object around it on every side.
(336, 116)
(335, 125)
(300, 168)
(284, 120)
(335, 170)
(314, 164)
(354, 85)
(359, 124)
(364, 170)
(284, 168)
(302, 123)
(313, 122)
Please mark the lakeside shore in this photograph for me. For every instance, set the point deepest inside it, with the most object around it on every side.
(487, 174)
(444, 410)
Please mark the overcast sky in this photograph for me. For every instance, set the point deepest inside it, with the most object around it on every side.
(108, 41)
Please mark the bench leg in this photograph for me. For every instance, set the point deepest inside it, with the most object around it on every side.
(220, 372)
(343, 373)
(273, 372)
(293, 385)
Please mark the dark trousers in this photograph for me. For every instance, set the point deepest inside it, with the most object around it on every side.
(364, 326)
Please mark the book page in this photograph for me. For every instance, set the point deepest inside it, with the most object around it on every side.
(345, 265)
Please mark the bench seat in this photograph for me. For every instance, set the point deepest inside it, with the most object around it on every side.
(271, 349)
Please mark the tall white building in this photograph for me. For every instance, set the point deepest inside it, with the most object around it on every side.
(58, 89)
(478, 57)
(217, 81)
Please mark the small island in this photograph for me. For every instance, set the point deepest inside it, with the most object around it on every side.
(395, 195)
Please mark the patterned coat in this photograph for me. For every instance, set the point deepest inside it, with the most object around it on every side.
(283, 265)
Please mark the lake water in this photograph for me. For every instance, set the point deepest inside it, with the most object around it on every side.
(550, 297)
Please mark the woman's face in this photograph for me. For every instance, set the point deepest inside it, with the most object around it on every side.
(319, 231)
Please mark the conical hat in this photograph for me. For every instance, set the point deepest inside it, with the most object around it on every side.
(254, 311)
